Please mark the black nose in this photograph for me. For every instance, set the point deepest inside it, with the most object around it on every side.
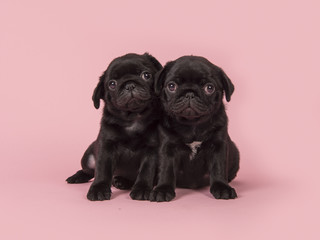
(130, 86)
(189, 95)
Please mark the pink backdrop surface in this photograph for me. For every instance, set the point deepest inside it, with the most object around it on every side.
(52, 53)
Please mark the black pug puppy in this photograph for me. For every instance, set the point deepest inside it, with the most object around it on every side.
(127, 144)
(195, 147)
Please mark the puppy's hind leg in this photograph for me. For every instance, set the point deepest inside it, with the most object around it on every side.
(79, 177)
(88, 165)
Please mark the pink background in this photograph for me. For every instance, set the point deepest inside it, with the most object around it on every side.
(52, 53)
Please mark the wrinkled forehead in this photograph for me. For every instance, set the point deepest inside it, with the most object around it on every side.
(124, 67)
(191, 71)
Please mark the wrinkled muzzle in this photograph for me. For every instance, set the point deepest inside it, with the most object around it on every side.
(133, 97)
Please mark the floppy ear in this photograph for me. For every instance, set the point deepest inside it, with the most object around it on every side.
(98, 92)
(227, 85)
(160, 77)
(154, 61)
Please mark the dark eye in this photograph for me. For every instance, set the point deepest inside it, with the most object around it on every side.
(112, 84)
(146, 75)
(172, 86)
(209, 89)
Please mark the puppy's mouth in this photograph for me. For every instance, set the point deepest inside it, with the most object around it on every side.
(189, 111)
(135, 104)
(189, 114)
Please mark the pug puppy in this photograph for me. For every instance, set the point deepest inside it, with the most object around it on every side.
(126, 146)
(195, 147)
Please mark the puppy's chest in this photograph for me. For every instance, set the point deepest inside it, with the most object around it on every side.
(134, 128)
(137, 136)
(194, 146)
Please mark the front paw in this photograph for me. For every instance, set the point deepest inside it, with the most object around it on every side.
(99, 192)
(162, 194)
(222, 190)
(140, 193)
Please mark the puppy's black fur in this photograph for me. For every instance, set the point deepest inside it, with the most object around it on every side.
(126, 147)
(195, 147)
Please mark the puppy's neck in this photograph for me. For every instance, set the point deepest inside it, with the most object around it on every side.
(135, 127)
(126, 116)
(131, 123)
